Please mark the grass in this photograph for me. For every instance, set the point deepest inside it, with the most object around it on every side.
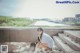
(16, 22)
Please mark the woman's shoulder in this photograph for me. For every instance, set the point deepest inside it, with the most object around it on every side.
(45, 34)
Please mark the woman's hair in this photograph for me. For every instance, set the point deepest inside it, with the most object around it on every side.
(40, 29)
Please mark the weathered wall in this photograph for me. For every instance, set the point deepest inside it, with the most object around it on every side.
(23, 35)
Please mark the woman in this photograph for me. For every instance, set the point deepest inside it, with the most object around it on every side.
(44, 40)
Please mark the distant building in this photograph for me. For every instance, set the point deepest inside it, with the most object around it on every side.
(72, 20)
(77, 15)
(69, 19)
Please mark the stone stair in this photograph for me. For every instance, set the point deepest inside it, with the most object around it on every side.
(64, 47)
(68, 41)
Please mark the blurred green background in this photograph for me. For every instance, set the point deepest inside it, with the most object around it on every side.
(10, 21)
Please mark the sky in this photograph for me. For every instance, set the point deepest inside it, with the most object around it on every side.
(38, 9)
(7, 7)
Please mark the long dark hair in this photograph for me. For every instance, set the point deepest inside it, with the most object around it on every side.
(40, 29)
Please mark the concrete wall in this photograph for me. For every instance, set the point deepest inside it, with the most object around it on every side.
(23, 35)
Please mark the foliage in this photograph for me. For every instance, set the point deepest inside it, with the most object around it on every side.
(11, 21)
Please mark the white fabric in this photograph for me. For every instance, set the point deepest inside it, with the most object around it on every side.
(47, 39)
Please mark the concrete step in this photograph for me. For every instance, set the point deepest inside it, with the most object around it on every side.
(74, 35)
(64, 47)
(71, 43)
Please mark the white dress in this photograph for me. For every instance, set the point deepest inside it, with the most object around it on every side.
(45, 39)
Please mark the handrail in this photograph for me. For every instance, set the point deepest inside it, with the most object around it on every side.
(57, 27)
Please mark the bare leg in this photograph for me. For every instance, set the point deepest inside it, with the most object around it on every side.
(37, 50)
